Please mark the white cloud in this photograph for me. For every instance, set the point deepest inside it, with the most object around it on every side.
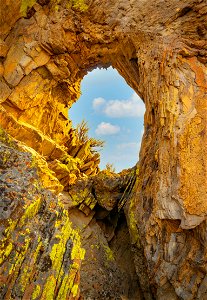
(98, 102)
(132, 107)
(107, 129)
(125, 146)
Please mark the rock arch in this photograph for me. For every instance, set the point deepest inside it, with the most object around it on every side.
(160, 50)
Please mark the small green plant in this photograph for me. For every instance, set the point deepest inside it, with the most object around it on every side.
(82, 131)
(110, 168)
(82, 134)
(96, 143)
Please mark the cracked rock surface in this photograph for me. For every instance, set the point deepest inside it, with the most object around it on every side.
(55, 202)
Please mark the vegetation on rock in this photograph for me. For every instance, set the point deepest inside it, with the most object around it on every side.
(26, 5)
(79, 5)
(82, 134)
(76, 4)
(110, 168)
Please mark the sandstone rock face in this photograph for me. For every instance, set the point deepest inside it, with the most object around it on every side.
(160, 49)
(61, 246)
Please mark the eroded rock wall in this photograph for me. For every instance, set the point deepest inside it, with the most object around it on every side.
(65, 246)
(41, 252)
(160, 49)
(171, 206)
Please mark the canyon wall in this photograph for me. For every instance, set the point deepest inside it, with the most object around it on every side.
(59, 213)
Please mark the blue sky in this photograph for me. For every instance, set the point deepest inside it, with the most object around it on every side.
(114, 114)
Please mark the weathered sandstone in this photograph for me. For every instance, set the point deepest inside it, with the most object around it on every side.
(56, 206)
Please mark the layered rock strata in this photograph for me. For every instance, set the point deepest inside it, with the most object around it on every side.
(160, 49)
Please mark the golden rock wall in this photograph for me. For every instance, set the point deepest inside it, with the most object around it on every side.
(160, 49)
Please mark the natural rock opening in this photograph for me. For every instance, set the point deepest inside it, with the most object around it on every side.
(162, 56)
(113, 113)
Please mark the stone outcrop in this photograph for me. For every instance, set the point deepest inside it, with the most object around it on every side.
(41, 253)
(46, 48)
(54, 246)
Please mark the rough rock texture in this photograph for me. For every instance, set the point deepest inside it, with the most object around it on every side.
(160, 48)
(61, 247)
(41, 253)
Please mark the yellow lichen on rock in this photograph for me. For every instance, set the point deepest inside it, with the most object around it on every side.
(79, 4)
(36, 292)
(108, 253)
(30, 210)
(49, 289)
(25, 5)
(64, 233)
(4, 253)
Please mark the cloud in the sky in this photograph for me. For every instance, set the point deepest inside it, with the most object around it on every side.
(132, 107)
(98, 102)
(125, 146)
(107, 129)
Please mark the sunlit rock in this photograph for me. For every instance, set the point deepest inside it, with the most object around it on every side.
(140, 238)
